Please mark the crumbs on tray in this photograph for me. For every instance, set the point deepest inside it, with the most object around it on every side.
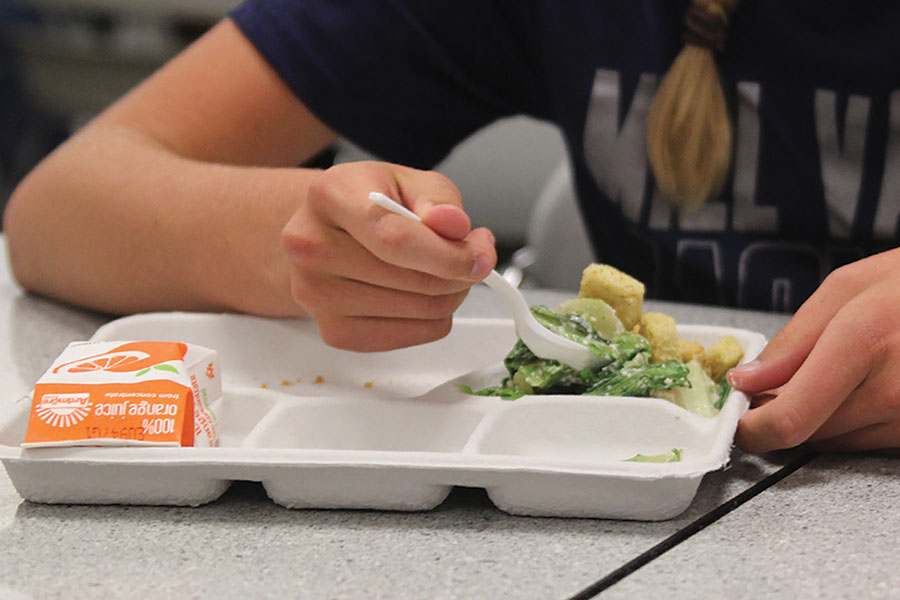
(318, 380)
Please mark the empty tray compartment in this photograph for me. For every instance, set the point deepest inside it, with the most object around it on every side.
(368, 424)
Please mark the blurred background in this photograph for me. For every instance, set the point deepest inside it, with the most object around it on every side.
(63, 61)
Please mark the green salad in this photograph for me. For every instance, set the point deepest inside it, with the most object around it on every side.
(626, 368)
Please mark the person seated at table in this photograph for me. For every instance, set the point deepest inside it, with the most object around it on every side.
(769, 178)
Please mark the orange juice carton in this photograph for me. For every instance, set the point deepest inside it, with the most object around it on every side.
(139, 393)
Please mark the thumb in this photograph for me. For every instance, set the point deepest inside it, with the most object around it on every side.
(788, 348)
(761, 375)
(448, 221)
(774, 366)
(436, 200)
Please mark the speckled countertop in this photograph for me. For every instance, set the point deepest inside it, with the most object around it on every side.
(785, 525)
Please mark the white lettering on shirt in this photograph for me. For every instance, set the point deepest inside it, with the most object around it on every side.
(886, 217)
(617, 156)
(775, 273)
(748, 215)
(842, 163)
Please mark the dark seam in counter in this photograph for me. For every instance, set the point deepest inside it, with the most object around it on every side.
(692, 528)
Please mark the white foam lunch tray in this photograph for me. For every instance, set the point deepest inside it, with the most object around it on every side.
(326, 428)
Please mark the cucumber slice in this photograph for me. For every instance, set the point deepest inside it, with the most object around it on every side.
(600, 314)
(701, 398)
(674, 455)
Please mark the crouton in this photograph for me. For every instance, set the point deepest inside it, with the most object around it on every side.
(721, 356)
(662, 332)
(688, 351)
(660, 329)
(623, 293)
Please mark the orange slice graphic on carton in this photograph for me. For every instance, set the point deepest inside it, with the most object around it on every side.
(126, 358)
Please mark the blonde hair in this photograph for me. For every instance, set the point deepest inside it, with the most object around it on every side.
(689, 137)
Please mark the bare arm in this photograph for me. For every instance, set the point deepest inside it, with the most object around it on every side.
(185, 195)
(162, 201)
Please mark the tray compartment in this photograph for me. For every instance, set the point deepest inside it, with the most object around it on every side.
(572, 456)
(380, 487)
(368, 424)
(14, 423)
(274, 354)
(604, 496)
(73, 482)
(593, 429)
(239, 412)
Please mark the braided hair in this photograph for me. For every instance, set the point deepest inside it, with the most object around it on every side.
(689, 138)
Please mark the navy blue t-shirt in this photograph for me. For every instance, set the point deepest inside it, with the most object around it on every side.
(814, 89)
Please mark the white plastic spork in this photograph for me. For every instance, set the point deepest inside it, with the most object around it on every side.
(540, 340)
